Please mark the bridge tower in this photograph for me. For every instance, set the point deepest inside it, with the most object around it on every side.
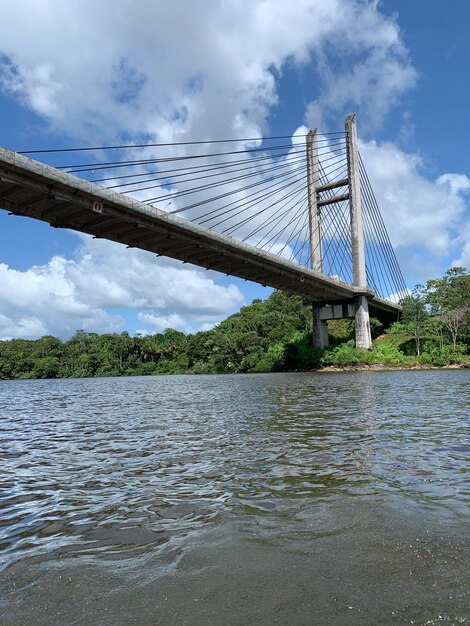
(359, 308)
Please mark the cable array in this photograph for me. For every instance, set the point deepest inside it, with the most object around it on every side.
(383, 271)
(334, 241)
(253, 189)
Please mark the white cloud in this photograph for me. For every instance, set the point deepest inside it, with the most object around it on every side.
(396, 297)
(367, 68)
(456, 183)
(423, 217)
(35, 86)
(158, 323)
(463, 259)
(84, 292)
(26, 327)
(175, 71)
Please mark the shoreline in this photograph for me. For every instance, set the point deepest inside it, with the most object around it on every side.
(357, 367)
(387, 367)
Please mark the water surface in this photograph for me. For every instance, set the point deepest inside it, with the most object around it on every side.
(308, 498)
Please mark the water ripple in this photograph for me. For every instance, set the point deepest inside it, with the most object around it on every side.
(112, 466)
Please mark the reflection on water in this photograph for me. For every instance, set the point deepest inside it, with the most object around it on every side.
(126, 468)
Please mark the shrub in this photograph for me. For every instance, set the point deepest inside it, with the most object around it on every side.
(300, 353)
(345, 354)
(385, 352)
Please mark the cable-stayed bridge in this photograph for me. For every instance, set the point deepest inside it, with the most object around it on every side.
(295, 214)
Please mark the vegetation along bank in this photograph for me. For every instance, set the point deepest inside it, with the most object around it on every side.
(267, 336)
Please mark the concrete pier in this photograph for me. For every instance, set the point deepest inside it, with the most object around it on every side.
(315, 204)
(363, 334)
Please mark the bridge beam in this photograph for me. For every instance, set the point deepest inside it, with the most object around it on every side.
(8, 191)
(70, 202)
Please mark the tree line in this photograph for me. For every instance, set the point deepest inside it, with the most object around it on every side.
(266, 336)
(440, 308)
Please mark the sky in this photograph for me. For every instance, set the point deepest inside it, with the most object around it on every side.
(82, 72)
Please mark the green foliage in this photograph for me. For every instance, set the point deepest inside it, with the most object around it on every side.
(448, 298)
(449, 292)
(415, 315)
(341, 329)
(385, 352)
(447, 355)
(342, 354)
(376, 327)
(46, 367)
(397, 329)
(300, 353)
(266, 336)
(263, 337)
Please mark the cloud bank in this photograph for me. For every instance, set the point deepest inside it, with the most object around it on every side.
(169, 70)
(97, 72)
(103, 278)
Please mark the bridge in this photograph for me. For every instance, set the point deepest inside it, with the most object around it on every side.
(320, 234)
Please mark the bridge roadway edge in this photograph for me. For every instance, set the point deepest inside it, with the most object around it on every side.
(33, 189)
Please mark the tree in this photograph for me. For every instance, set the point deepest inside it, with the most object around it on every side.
(414, 314)
(453, 321)
(449, 298)
(436, 327)
(449, 292)
(46, 367)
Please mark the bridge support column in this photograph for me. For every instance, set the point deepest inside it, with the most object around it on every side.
(320, 328)
(363, 334)
(313, 182)
(362, 323)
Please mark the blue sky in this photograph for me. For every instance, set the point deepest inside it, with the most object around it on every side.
(163, 71)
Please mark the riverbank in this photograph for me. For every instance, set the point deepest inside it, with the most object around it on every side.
(114, 356)
(387, 367)
(274, 335)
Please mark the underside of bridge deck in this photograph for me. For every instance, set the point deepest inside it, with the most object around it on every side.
(32, 189)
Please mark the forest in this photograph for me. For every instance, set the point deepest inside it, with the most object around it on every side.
(267, 336)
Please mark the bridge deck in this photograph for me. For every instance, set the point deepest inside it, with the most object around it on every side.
(33, 189)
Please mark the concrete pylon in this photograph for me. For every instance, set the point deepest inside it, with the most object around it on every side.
(363, 334)
(320, 328)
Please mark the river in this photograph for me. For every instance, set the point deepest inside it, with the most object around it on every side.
(303, 498)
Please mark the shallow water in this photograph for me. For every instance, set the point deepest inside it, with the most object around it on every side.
(307, 498)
